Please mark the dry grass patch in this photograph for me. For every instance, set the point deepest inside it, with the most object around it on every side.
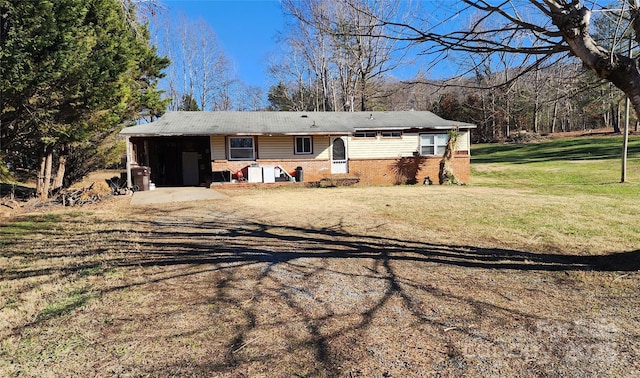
(403, 281)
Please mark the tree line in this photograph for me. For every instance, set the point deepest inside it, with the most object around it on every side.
(337, 56)
(73, 72)
(562, 98)
(340, 56)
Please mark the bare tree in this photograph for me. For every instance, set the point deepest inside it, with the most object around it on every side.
(308, 63)
(199, 67)
(536, 31)
(139, 12)
(250, 98)
(342, 49)
(302, 80)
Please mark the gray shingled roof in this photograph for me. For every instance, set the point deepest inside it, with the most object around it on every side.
(288, 123)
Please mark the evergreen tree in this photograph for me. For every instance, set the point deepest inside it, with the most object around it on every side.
(71, 72)
(188, 104)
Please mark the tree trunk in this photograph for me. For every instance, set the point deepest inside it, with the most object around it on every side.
(40, 181)
(554, 118)
(484, 114)
(447, 175)
(572, 20)
(494, 125)
(326, 98)
(47, 174)
(616, 123)
(363, 96)
(507, 119)
(536, 110)
(44, 178)
(62, 167)
(536, 103)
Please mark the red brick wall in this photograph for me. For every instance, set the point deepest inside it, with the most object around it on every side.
(370, 171)
(405, 171)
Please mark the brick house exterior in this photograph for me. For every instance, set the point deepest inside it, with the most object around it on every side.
(374, 148)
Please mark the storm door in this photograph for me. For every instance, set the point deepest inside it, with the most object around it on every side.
(339, 161)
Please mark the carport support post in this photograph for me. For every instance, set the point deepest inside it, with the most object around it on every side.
(127, 143)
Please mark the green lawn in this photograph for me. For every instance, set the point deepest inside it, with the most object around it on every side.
(586, 165)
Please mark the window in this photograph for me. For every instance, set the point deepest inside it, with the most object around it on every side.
(241, 149)
(304, 145)
(433, 144)
(364, 134)
(391, 134)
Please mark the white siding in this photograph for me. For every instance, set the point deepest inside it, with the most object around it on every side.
(275, 147)
(362, 148)
(464, 142)
(321, 146)
(218, 148)
(282, 147)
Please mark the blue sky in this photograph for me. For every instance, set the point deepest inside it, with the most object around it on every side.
(246, 30)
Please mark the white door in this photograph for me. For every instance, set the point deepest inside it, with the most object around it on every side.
(190, 168)
(339, 161)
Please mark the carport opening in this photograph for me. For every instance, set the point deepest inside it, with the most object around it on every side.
(175, 161)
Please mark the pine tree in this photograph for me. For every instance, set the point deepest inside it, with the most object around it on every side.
(71, 72)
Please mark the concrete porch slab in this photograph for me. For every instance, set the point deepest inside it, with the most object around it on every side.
(168, 195)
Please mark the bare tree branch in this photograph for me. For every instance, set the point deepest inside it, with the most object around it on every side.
(551, 27)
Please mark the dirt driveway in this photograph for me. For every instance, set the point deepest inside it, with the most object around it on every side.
(277, 284)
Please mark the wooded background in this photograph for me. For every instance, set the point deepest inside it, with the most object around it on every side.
(74, 72)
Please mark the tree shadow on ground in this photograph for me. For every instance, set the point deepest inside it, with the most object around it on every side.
(286, 266)
(325, 243)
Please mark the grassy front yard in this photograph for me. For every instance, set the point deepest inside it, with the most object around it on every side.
(531, 270)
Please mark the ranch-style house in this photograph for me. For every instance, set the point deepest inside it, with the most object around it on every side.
(372, 148)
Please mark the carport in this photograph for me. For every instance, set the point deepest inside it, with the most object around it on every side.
(174, 161)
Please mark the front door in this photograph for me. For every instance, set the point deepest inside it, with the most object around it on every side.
(339, 161)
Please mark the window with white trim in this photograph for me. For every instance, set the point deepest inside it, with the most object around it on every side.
(241, 148)
(303, 145)
(433, 144)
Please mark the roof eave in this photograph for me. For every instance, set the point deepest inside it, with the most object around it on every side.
(233, 134)
(443, 127)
